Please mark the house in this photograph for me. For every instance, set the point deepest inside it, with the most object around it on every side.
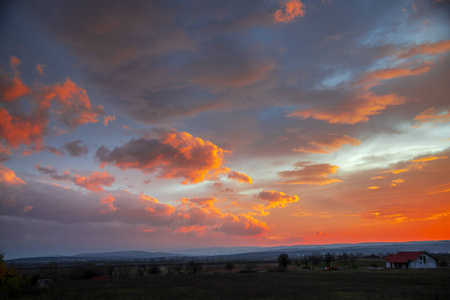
(413, 260)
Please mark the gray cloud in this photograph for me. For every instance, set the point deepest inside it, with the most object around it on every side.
(76, 149)
(49, 171)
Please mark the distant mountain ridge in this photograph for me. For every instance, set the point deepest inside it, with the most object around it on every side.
(115, 255)
(365, 248)
(254, 252)
(126, 255)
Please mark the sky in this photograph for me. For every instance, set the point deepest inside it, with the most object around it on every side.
(171, 125)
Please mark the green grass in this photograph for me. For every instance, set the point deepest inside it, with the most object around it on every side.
(348, 284)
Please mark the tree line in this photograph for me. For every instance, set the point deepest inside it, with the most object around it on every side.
(316, 259)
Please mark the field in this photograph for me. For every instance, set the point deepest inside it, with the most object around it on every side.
(294, 284)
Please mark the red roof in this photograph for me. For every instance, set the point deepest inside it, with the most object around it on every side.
(403, 257)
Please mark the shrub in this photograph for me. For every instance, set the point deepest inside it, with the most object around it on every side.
(230, 266)
(155, 270)
(284, 261)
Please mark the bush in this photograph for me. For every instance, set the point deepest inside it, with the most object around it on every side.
(230, 266)
(284, 261)
(442, 263)
(250, 267)
(12, 285)
(155, 270)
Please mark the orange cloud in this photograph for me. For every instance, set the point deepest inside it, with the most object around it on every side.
(277, 199)
(199, 230)
(437, 216)
(312, 174)
(418, 164)
(95, 181)
(290, 10)
(74, 105)
(8, 176)
(433, 115)
(12, 89)
(16, 130)
(108, 200)
(174, 154)
(152, 206)
(430, 158)
(205, 204)
(442, 188)
(327, 143)
(40, 69)
(373, 187)
(197, 212)
(384, 215)
(239, 177)
(109, 119)
(353, 111)
(242, 225)
(15, 62)
(27, 208)
(146, 198)
(303, 213)
(395, 182)
(373, 78)
(426, 49)
(402, 170)
(71, 107)
(364, 103)
(396, 171)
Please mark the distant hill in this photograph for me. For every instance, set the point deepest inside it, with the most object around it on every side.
(121, 255)
(364, 248)
(251, 252)
(116, 255)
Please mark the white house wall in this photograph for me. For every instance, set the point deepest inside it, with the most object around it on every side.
(420, 263)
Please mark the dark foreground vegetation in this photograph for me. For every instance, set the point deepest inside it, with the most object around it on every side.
(284, 278)
(354, 284)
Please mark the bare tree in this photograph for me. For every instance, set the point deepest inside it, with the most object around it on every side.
(344, 259)
(2, 265)
(316, 258)
(328, 258)
(230, 266)
(194, 266)
(305, 261)
(142, 270)
(284, 261)
(352, 259)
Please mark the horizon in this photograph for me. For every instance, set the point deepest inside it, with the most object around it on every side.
(198, 124)
(180, 251)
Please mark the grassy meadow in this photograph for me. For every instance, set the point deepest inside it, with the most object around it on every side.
(293, 284)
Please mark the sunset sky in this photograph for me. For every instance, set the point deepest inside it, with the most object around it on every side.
(171, 125)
